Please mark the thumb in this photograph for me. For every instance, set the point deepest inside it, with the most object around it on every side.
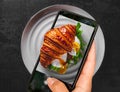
(56, 85)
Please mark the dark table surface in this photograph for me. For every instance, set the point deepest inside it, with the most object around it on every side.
(14, 15)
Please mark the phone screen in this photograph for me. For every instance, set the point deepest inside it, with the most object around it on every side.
(85, 30)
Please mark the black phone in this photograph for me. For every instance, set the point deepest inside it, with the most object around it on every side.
(85, 32)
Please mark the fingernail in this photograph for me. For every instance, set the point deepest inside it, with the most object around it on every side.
(51, 81)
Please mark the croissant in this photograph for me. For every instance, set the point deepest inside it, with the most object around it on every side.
(57, 41)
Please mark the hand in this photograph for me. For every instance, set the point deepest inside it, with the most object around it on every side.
(84, 83)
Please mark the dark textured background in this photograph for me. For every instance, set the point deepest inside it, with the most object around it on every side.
(14, 15)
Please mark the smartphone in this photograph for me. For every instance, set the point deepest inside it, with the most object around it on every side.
(85, 32)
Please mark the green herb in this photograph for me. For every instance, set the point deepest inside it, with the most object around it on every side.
(80, 55)
(70, 61)
(79, 35)
(77, 57)
(78, 26)
(51, 67)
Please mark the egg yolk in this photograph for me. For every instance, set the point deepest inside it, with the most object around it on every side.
(76, 46)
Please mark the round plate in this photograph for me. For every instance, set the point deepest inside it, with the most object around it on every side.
(37, 26)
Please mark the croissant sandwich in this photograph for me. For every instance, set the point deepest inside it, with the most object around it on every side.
(59, 45)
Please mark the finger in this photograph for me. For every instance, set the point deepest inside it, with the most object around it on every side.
(56, 85)
(88, 69)
(85, 80)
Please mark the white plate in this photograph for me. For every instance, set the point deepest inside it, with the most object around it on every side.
(35, 29)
